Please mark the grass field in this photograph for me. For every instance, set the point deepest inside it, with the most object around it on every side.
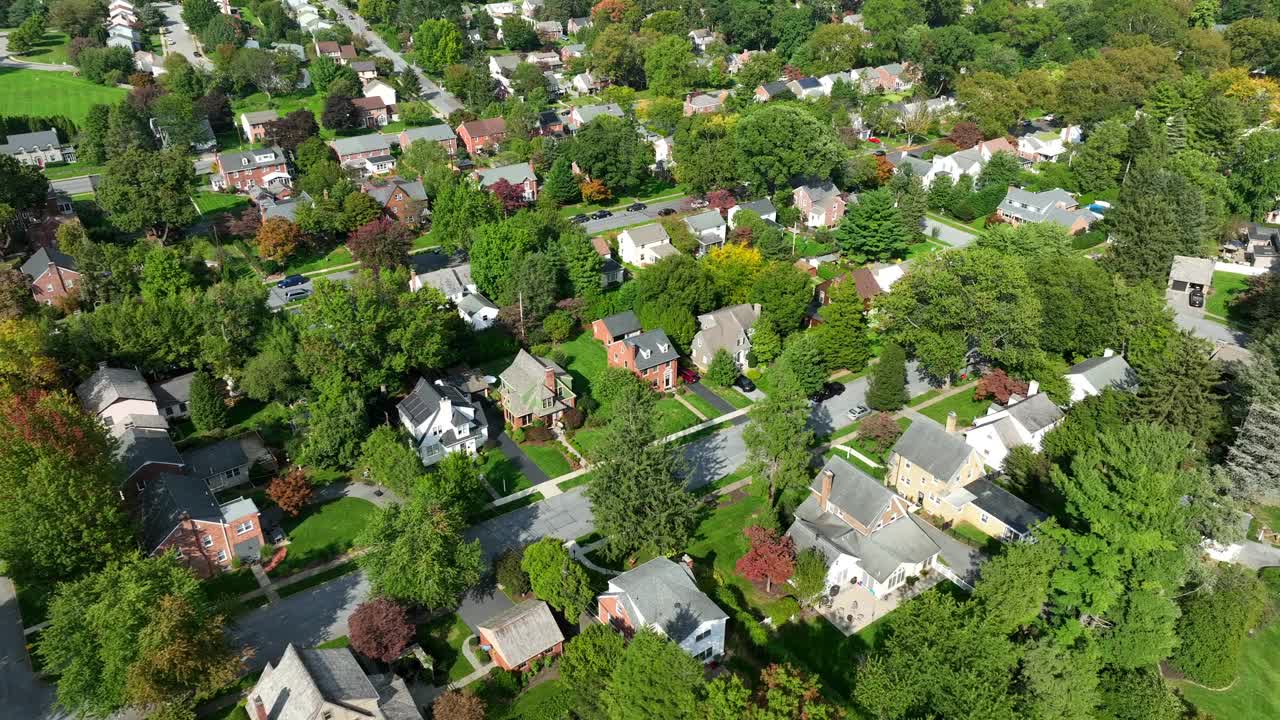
(672, 417)
(703, 406)
(51, 50)
(965, 407)
(442, 639)
(1225, 287)
(33, 92)
(323, 532)
(70, 170)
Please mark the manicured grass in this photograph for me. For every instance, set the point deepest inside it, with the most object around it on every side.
(505, 508)
(51, 50)
(863, 446)
(672, 417)
(70, 170)
(733, 397)
(924, 397)
(1268, 515)
(582, 479)
(965, 407)
(318, 579)
(316, 263)
(585, 359)
(953, 222)
(587, 440)
(323, 532)
(807, 247)
(1225, 287)
(874, 472)
(442, 639)
(548, 457)
(335, 644)
(719, 541)
(209, 202)
(227, 586)
(971, 535)
(34, 92)
(1254, 695)
(549, 699)
(501, 474)
(703, 406)
(923, 248)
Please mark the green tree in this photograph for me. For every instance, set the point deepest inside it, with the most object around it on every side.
(618, 54)
(557, 578)
(1159, 215)
(887, 389)
(148, 191)
(1061, 682)
(587, 665)
(519, 35)
(777, 437)
(1178, 391)
(843, 332)
(458, 210)
(833, 47)
(810, 579)
(780, 142)
(437, 44)
(766, 344)
(429, 162)
(582, 264)
(416, 553)
(609, 149)
(197, 13)
(992, 101)
(873, 229)
(804, 362)
(912, 201)
(668, 66)
(1139, 695)
(208, 409)
(1214, 624)
(387, 458)
(164, 274)
(336, 423)
(723, 370)
(889, 22)
(561, 185)
(783, 293)
(1015, 585)
(1254, 175)
(654, 678)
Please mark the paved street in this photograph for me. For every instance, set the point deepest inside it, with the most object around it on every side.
(948, 234)
(419, 262)
(622, 218)
(76, 186)
(306, 619)
(179, 39)
(833, 413)
(22, 694)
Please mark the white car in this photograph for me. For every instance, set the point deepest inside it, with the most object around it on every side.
(857, 412)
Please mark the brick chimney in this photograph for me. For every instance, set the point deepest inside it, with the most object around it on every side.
(951, 422)
(688, 561)
(1033, 387)
(550, 380)
(824, 493)
(259, 710)
(1108, 352)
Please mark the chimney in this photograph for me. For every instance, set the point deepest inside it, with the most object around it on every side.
(951, 422)
(550, 380)
(688, 561)
(1108, 353)
(259, 710)
(825, 492)
(1033, 387)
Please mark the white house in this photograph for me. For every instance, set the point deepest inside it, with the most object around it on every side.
(728, 329)
(442, 419)
(661, 595)
(709, 228)
(867, 533)
(762, 207)
(456, 285)
(1021, 422)
(1092, 376)
(121, 398)
(968, 162)
(379, 89)
(645, 245)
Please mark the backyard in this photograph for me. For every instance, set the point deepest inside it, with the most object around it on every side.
(37, 93)
(962, 403)
(1226, 286)
(442, 639)
(322, 532)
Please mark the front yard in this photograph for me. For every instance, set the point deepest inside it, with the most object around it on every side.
(548, 457)
(322, 532)
(962, 403)
(1226, 286)
(442, 639)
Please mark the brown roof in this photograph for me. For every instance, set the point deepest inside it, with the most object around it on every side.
(865, 283)
(369, 103)
(602, 246)
(348, 52)
(805, 268)
(483, 128)
(327, 46)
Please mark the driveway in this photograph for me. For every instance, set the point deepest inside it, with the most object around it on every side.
(76, 185)
(380, 496)
(622, 218)
(20, 690)
(952, 236)
(833, 413)
(1257, 555)
(179, 39)
(710, 458)
(713, 399)
(527, 467)
(1194, 320)
(276, 297)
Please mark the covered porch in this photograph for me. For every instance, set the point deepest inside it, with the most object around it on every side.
(851, 607)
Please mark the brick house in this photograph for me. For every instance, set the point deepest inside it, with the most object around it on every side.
(662, 595)
(354, 151)
(520, 175)
(252, 168)
(401, 200)
(180, 513)
(54, 277)
(480, 135)
(703, 103)
(440, 134)
(820, 204)
(342, 54)
(372, 112)
(650, 356)
(535, 389)
(254, 124)
(519, 635)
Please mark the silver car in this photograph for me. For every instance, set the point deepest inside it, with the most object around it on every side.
(857, 412)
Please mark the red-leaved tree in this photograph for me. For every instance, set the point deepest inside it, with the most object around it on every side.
(880, 429)
(380, 629)
(511, 196)
(721, 200)
(965, 135)
(771, 558)
(381, 244)
(998, 385)
(290, 491)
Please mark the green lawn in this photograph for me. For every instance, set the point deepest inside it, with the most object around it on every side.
(673, 417)
(585, 359)
(1225, 287)
(548, 457)
(582, 479)
(227, 586)
(335, 644)
(965, 407)
(587, 439)
(703, 406)
(719, 542)
(315, 263)
(733, 397)
(210, 202)
(70, 170)
(863, 446)
(1254, 695)
(323, 532)
(270, 420)
(442, 639)
(33, 92)
(552, 698)
(501, 474)
(51, 50)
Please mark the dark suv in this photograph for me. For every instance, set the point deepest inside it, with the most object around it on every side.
(828, 391)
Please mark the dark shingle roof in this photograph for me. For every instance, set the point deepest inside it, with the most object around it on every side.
(173, 391)
(653, 348)
(108, 385)
(666, 597)
(140, 446)
(624, 323)
(935, 450)
(224, 455)
(40, 259)
(169, 498)
(1003, 505)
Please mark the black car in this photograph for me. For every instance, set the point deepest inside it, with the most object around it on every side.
(743, 383)
(828, 391)
(636, 207)
(291, 281)
(667, 211)
(1196, 299)
(579, 218)
(601, 214)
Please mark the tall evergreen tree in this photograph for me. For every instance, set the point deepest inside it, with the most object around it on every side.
(1178, 389)
(561, 185)
(888, 387)
(912, 200)
(873, 229)
(1159, 214)
(777, 438)
(208, 409)
(843, 332)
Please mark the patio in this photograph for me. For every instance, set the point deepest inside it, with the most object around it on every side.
(854, 607)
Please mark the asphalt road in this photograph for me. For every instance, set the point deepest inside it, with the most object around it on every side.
(622, 218)
(833, 413)
(76, 185)
(179, 39)
(421, 262)
(22, 694)
(307, 619)
(948, 234)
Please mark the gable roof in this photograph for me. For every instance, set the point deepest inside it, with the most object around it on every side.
(526, 376)
(516, 174)
(653, 348)
(647, 234)
(880, 553)
(140, 446)
(761, 207)
(108, 385)
(168, 500)
(587, 113)
(522, 632)
(859, 495)
(1003, 505)
(1054, 206)
(449, 281)
(623, 323)
(250, 159)
(300, 685)
(1035, 413)
(40, 259)
(482, 128)
(935, 450)
(721, 329)
(705, 220)
(1103, 372)
(434, 133)
(370, 102)
(382, 191)
(772, 89)
(1193, 270)
(259, 117)
(361, 144)
(664, 596)
(822, 193)
(173, 391)
(225, 454)
(864, 282)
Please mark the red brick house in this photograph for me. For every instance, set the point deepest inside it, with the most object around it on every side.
(255, 124)
(401, 200)
(864, 282)
(534, 389)
(820, 204)
(356, 151)
(252, 168)
(517, 636)
(372, 112)
(343, 54)
(181, 514)
(54, 278)
(520, 175)
(663, 596)
(650, 356)
(442, 134)
(480, 135)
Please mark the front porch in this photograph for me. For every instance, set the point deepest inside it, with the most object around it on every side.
(853, 607)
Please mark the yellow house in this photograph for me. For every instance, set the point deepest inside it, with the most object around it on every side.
(936, 469)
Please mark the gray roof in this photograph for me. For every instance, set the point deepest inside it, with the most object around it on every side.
(663, 595)
(1052, 206)
(224, 455)
(507, 62)
(363, 66)
(109, 385)
(1104, 372)
(1035, 413)
(140, 446)
(303, 681)
(472, 303)
(648, 234)
(523, 632)
(250, 159)
(722, 328)
(880, 553)
(287, 208)
(168, 499)
(624, 323)
(394, 699)
(30, 141)
(761, 207)
(40, 259)
(260, 116)
(1194, 270)
(935, 450)
(450, 281)
(591, 112)
(444, 103)
(821, 193)
(855, 492)
(919, 167)
(703, 221)
(652, 349)
(773, 89)
(173, 391)
(1003, 505)
(515, 174)
(425, 401)
(526, 378)
(361, 144)
(434, 133)
(382, 191)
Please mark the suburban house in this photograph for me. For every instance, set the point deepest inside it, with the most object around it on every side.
(519, 175)
(1090, 377)
(585, 84)
(247, 169)
(124, 36)
(549, 123)
(968, 162)
(173, 396)
(502, 66)
(1047, 145)
(772, 91)
(645, 245)
(611, 271)
(661, 595)
(480, 135)
(1055, 206)
(910, 111)
(442, 419)
(709, 228)
(1188, 274)
(362, 150)
(146, 452)
(762, 207)
(53, 274)
(379, 89)
(372, 111)
(893, 77)
(864, 282)
(500, 10)
(805, 88)
(584, 114)
(254, 124)
(456, 285)
(1024, 421)
(227, 463)
(820, 204)
(180, 513)
(441, 134)
(573, 51)
(549, 30)
(535, 390)
(364, 70)
(828, 81)
(700, 103)
(327, 684)
(38, 148)
(866, 533)
(937, 470)
(120, 397)
(270, 206)
(342, 54)
(521, 634)
(401, 200)
(579, 23)
(649, 356)
(202, 141)
(727, 329)
(702, 38)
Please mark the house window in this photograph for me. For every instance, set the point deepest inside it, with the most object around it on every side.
(906, 480)
(207, 541)
(168, 410)
(706, 654)
(222, 556)
(703, 635)
(983, 518)
(244, 527)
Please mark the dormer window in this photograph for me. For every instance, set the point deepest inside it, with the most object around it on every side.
(244, 162)
(663, 347)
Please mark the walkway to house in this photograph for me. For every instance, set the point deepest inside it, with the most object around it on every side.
(579, 553)
(711, 397)
(271, 588)
(264, 582)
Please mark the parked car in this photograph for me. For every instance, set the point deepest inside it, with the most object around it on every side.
(296, 294)
(857, 412)
(667, 211)
(689, 375)
(636, 207)
(290, 281)
(697, 203)
(743, 383)
(579, 218)
(1196, 299)
(828, 391)
(601, 214)
(875, 140)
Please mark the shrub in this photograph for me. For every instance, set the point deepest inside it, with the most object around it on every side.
(559, 326)
(540, 349)
(573, 418)
(517, 435)
(509, 572)
(880, 429)
(290, 491)
(1214, 624)
(538, 433)
(783, 610)
(723, 370)
(998, 385)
